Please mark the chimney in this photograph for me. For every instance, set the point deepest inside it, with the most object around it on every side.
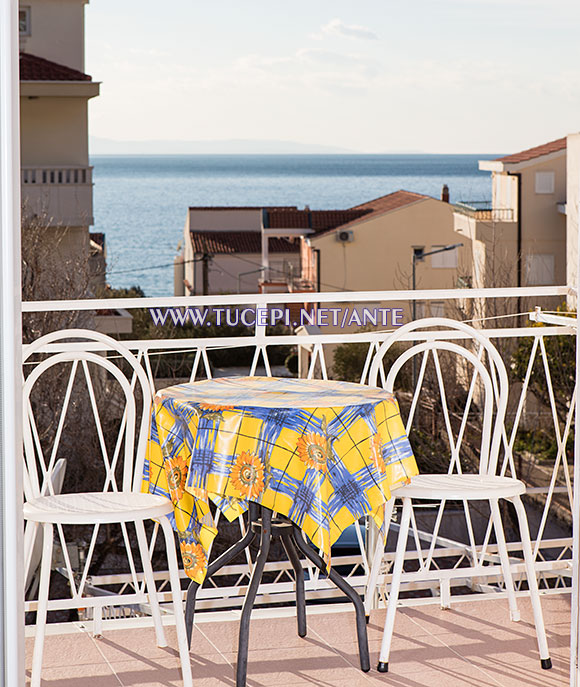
(445, 193)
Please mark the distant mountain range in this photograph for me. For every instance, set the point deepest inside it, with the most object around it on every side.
(106, 146)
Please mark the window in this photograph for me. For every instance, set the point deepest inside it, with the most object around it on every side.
(420, 309)
(24, 21)
(540, 270)
(446, 258)
(437, 309)
(545, 182)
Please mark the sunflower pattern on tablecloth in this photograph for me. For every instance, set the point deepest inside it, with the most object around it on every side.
(280, 443)
(247, 475)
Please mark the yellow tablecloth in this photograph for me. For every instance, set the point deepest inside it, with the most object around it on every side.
(323, 453)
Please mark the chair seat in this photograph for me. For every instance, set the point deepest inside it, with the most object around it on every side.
(96, 507)
(451, 487)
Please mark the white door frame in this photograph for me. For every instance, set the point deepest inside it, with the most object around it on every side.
(575, 603)
(11, 525)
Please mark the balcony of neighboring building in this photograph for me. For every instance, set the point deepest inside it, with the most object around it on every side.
(484, 210)
(475, 219)
(58, 195)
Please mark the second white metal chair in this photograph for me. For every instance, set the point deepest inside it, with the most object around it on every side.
(488, 484)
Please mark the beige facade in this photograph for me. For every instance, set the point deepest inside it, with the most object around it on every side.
(54, 131)
(378, 253)
(54, 29)
(572, 200)
(519, 238)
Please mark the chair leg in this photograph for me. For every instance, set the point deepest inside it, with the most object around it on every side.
(299, 574)
(383, 666)
(377, 560)
(504, 559)
(345, 588)
(545, 660)
(150, 582)
(29, 538)
(176, 596)
(244, 637)
(213, 567)
(45, 565)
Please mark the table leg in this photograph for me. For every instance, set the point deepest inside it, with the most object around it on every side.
(335, 578)
(292, 554)
(244, 638)
(213, 567)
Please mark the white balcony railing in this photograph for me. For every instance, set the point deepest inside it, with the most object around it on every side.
(549, 484)
(483, 210)
(59, 196)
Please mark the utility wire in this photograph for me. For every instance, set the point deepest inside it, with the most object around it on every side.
(275, 269)
(153, 267)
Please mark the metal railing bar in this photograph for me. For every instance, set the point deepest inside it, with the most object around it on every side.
(314, 297)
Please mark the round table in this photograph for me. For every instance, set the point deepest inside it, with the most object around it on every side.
(319, 453)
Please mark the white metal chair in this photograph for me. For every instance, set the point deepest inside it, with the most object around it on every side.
(113, 505)
(489, 484)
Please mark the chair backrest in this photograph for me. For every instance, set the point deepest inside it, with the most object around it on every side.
(492, 377)
(131, 439)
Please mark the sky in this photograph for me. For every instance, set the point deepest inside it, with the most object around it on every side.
(373, 76)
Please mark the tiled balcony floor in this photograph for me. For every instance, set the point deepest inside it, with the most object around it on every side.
(472, 645)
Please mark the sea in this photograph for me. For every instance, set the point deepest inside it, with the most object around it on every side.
(141, 201)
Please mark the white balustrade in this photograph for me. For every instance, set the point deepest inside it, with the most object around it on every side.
(58, 196)
(553, 553)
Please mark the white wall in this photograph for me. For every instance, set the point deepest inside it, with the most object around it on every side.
(224, 220)
(224, 271)
(238, 219)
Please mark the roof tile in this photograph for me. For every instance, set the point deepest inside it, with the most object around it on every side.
(538, 151)
(391, 201)
(319, 220)
(34, 68)
(227, 242)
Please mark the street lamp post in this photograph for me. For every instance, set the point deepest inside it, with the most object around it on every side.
(416, 257)
(420, 256)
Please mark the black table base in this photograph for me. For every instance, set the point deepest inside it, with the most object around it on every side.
(260, 522)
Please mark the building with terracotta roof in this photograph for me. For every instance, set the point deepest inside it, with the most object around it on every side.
(57, 188)
(366, 247)
(374, 251)
(518, 237)
(227, 251)
(249, 249)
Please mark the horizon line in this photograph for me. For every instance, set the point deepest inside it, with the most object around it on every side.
(263, 154)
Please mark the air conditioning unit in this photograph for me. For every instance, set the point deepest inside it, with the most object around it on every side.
(344, 236)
